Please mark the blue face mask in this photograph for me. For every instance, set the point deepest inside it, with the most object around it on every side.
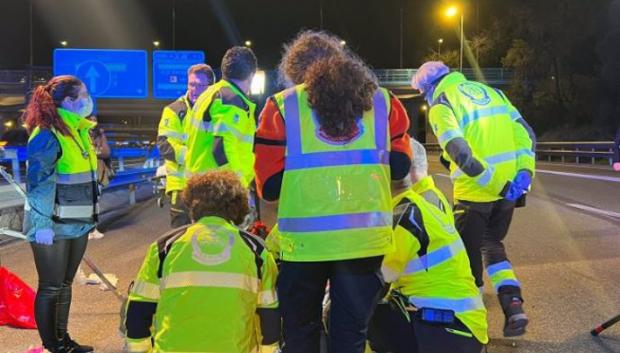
(86, 107)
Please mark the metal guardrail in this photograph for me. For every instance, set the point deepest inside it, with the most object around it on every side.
(582, 152)
(144, 166)
(402, 77)
(576, 152)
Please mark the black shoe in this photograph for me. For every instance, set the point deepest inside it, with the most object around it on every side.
(515, 318)
(74, 347)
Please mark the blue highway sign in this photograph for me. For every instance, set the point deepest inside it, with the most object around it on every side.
(170, 71)
(106, 73)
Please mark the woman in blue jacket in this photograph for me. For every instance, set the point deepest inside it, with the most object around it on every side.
(61, 203)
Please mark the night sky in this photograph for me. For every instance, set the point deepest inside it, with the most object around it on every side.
(371, 28)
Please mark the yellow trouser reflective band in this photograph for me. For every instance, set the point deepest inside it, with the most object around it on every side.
(145, 289)
(138, 345)
(84, 211)
(210, 279)
(267, 297)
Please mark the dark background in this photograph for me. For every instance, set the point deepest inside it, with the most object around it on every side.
(565, 53)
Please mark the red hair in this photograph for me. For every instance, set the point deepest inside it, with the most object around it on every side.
(41, 110)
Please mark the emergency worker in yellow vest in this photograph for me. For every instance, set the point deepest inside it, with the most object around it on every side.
(171, 139)
(209, 286)
(434, 305)
(490, 151)
(61, 207)
(327, 150)
(222, 126)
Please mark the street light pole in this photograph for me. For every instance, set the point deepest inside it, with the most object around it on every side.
(402, 34)
(462, 43)
(174, 22)
(439, 42)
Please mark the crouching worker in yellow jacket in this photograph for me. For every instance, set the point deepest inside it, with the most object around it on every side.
(434, 305)
(206, 287)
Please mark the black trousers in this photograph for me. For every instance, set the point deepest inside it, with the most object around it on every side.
(389, 331)
(354, 287)
(179, 214)
(56, 266)
(483, 227)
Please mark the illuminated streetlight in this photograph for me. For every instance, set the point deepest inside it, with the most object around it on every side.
(8, 124)
(439, 43)
(248, 43)
(343, 42)
(451, 12)
(156, 44)
(64, 43)
(424, 107)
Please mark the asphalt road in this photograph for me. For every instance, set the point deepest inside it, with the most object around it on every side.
(564, 246)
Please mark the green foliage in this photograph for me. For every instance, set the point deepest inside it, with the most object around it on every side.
(550, 46)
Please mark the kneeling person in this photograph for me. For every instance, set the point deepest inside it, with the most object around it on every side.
(441, 309)
(207, 287)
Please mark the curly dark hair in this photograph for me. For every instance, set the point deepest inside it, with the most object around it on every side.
(340, 89)
(238, 63)
(303, 51)
(217, 193)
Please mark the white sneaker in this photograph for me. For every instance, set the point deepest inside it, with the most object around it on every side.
(95, 234)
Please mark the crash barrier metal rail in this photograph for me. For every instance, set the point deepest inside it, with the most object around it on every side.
(592, 152)
(402, 77)
(142, 163)
(584, 152)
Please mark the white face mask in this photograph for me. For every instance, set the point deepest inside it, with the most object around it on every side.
(86, 107)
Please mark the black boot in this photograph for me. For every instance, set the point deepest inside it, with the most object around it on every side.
(57, 347)
(512, 304)
(74, 347)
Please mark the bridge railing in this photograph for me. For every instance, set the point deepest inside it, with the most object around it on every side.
(133, 166)
(402, 77)
(582, 152)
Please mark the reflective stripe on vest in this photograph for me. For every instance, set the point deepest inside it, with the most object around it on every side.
(293, 130)
(77, 178)
(498, 158)
(335, 222)
(456, 305)
(199, 124)
(435, 257)
(297, 160)
(145, 289)
(478, 114)
(210, 279)
(225, 128)
(267, 297)
(73, 212)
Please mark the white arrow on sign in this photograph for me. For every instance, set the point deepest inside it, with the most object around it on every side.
(92, 75)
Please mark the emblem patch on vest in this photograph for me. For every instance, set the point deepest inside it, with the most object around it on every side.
(475, 93)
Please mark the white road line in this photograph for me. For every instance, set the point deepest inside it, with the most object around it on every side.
(582, 176)
(594, 210)
(574, 175)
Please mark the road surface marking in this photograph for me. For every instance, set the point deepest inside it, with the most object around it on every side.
(583, 176)
(594, 210)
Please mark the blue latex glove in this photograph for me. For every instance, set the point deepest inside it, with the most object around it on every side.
(519, 185)
(44, 236)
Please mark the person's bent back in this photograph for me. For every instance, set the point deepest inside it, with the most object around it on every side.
(201, 287)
